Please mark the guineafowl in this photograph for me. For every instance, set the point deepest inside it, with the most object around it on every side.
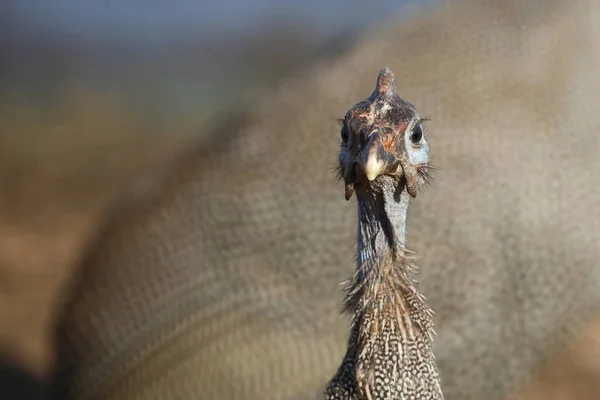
(384, 157)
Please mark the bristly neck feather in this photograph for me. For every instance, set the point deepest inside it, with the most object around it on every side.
(384, 266)
(389, 351)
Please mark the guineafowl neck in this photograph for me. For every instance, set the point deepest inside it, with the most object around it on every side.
(381, 225)
(389, 352)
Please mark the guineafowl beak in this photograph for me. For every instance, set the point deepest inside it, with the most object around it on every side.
(374, 160)
(377, 158)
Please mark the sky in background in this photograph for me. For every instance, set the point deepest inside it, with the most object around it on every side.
(140, 20)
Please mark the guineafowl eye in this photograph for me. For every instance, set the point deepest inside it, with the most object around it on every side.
(344, 132)
(417, 134)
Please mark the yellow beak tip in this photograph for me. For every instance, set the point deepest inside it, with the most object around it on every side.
(373, 168)
(371, 175)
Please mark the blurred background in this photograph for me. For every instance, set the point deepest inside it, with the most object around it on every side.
(88, 80)
(93, 93)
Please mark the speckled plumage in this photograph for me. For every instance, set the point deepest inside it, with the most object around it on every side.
(389, 354)
(389, 350)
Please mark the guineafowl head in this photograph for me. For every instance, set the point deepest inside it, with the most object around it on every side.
(383, 145)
